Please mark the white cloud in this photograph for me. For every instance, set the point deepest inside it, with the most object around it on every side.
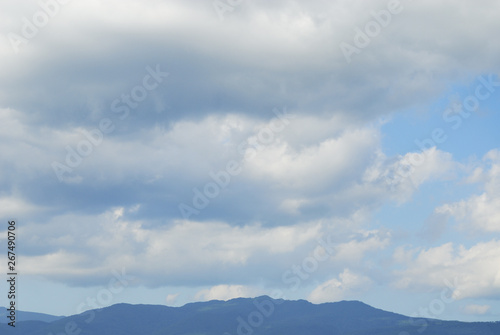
(472, 272)
(328, 174)
(84, 246)
(316, 167)
(477, 309)
(84, 249)
(60, 264)
(347, 286)
(227, 292)
(11, 207)
(480, 212)
(414, 168)
(171, 298)
(356, 249)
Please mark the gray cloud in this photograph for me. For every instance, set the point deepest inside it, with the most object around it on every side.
(264, 56)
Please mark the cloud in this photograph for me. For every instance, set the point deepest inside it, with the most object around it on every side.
(356, 249)
(171, 298)
(411, 170)
(82, 250)
(302, 174)
(477, 309)
(317, 167)
(472, 268)
(10, 207)
(347, 285)
(78, 249)
(227, 292)
(469, 273)
(285, 53)
(480, 212)
(327, 163)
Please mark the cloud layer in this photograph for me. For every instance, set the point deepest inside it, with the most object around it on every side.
(215, 150)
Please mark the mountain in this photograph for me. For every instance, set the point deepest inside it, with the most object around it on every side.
(242, 316)
(28, 316)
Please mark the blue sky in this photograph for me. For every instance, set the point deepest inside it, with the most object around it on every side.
(165, 152)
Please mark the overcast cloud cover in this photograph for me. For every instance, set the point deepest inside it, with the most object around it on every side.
(256, 147)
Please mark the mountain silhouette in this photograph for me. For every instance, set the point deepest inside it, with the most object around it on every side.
(248, 316)
(28, 316)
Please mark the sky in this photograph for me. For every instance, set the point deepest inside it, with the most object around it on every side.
(168, 151)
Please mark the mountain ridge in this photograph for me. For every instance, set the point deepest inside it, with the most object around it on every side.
(29, 316)
(249, 316)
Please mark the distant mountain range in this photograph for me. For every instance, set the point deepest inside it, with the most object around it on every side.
(28, 316)
(243, 316)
